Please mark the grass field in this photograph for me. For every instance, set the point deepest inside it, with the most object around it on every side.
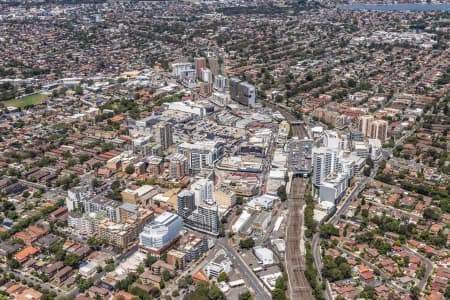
(27, 100)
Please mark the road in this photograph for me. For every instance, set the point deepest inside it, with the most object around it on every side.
(250, 278)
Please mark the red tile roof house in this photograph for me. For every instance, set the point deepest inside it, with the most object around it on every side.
(25, 254)
(31, 234)
(367, 276)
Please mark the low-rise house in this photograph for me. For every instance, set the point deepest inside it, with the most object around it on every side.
(52, 269)
(63, 274)
(25, 254)
(149, 278)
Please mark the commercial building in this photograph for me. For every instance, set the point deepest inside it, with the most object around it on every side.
(247, 94)
(141, 195)
(161, 233)
(264, 255)
(242, 92)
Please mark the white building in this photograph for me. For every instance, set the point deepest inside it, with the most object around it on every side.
(203, 190)
(178, 68)
(201, 155)
(161, 232)
(241, 221)
(325, 162)
(376, 148)
(187, 107)
(220, 83)
(332, 189)
(264, 255)
(206, 75)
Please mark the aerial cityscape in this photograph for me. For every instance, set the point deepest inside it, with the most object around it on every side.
(232, 149)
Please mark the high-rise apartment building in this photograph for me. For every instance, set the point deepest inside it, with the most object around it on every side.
(201, 155)
(178, 165)
(205, 218)
(206, 75)
(378, 130)
(163, 135)
(185, 203)
(179, 68)
(203, 190)
(364, 124)
(220, 83)
(325, 162)
(200, 63)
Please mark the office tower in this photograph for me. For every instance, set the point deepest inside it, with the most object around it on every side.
(325, 162)
(200, 63)
(163, 135)
(161, 233)
(179, 68)
(220, 83)
(206, 75)
(203, 190)
(234, 88)
(247, 94)
(185, 203)
(378, 130)
(364, 124)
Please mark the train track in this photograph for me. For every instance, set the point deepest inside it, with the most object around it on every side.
(299, 287)
(295, 256)
(295, 253)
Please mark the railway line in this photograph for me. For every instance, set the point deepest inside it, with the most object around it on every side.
(295, 259)
(295, 256)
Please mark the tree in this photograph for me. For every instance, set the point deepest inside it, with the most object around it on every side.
(281, 193)
(166, 275)
(129, 169)
(247, 243)
(78, 90)
(245, 296)
(71, 259)
(215, 293)
(433, 213)
(13, 263)
(222, 277)
(327, 230)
